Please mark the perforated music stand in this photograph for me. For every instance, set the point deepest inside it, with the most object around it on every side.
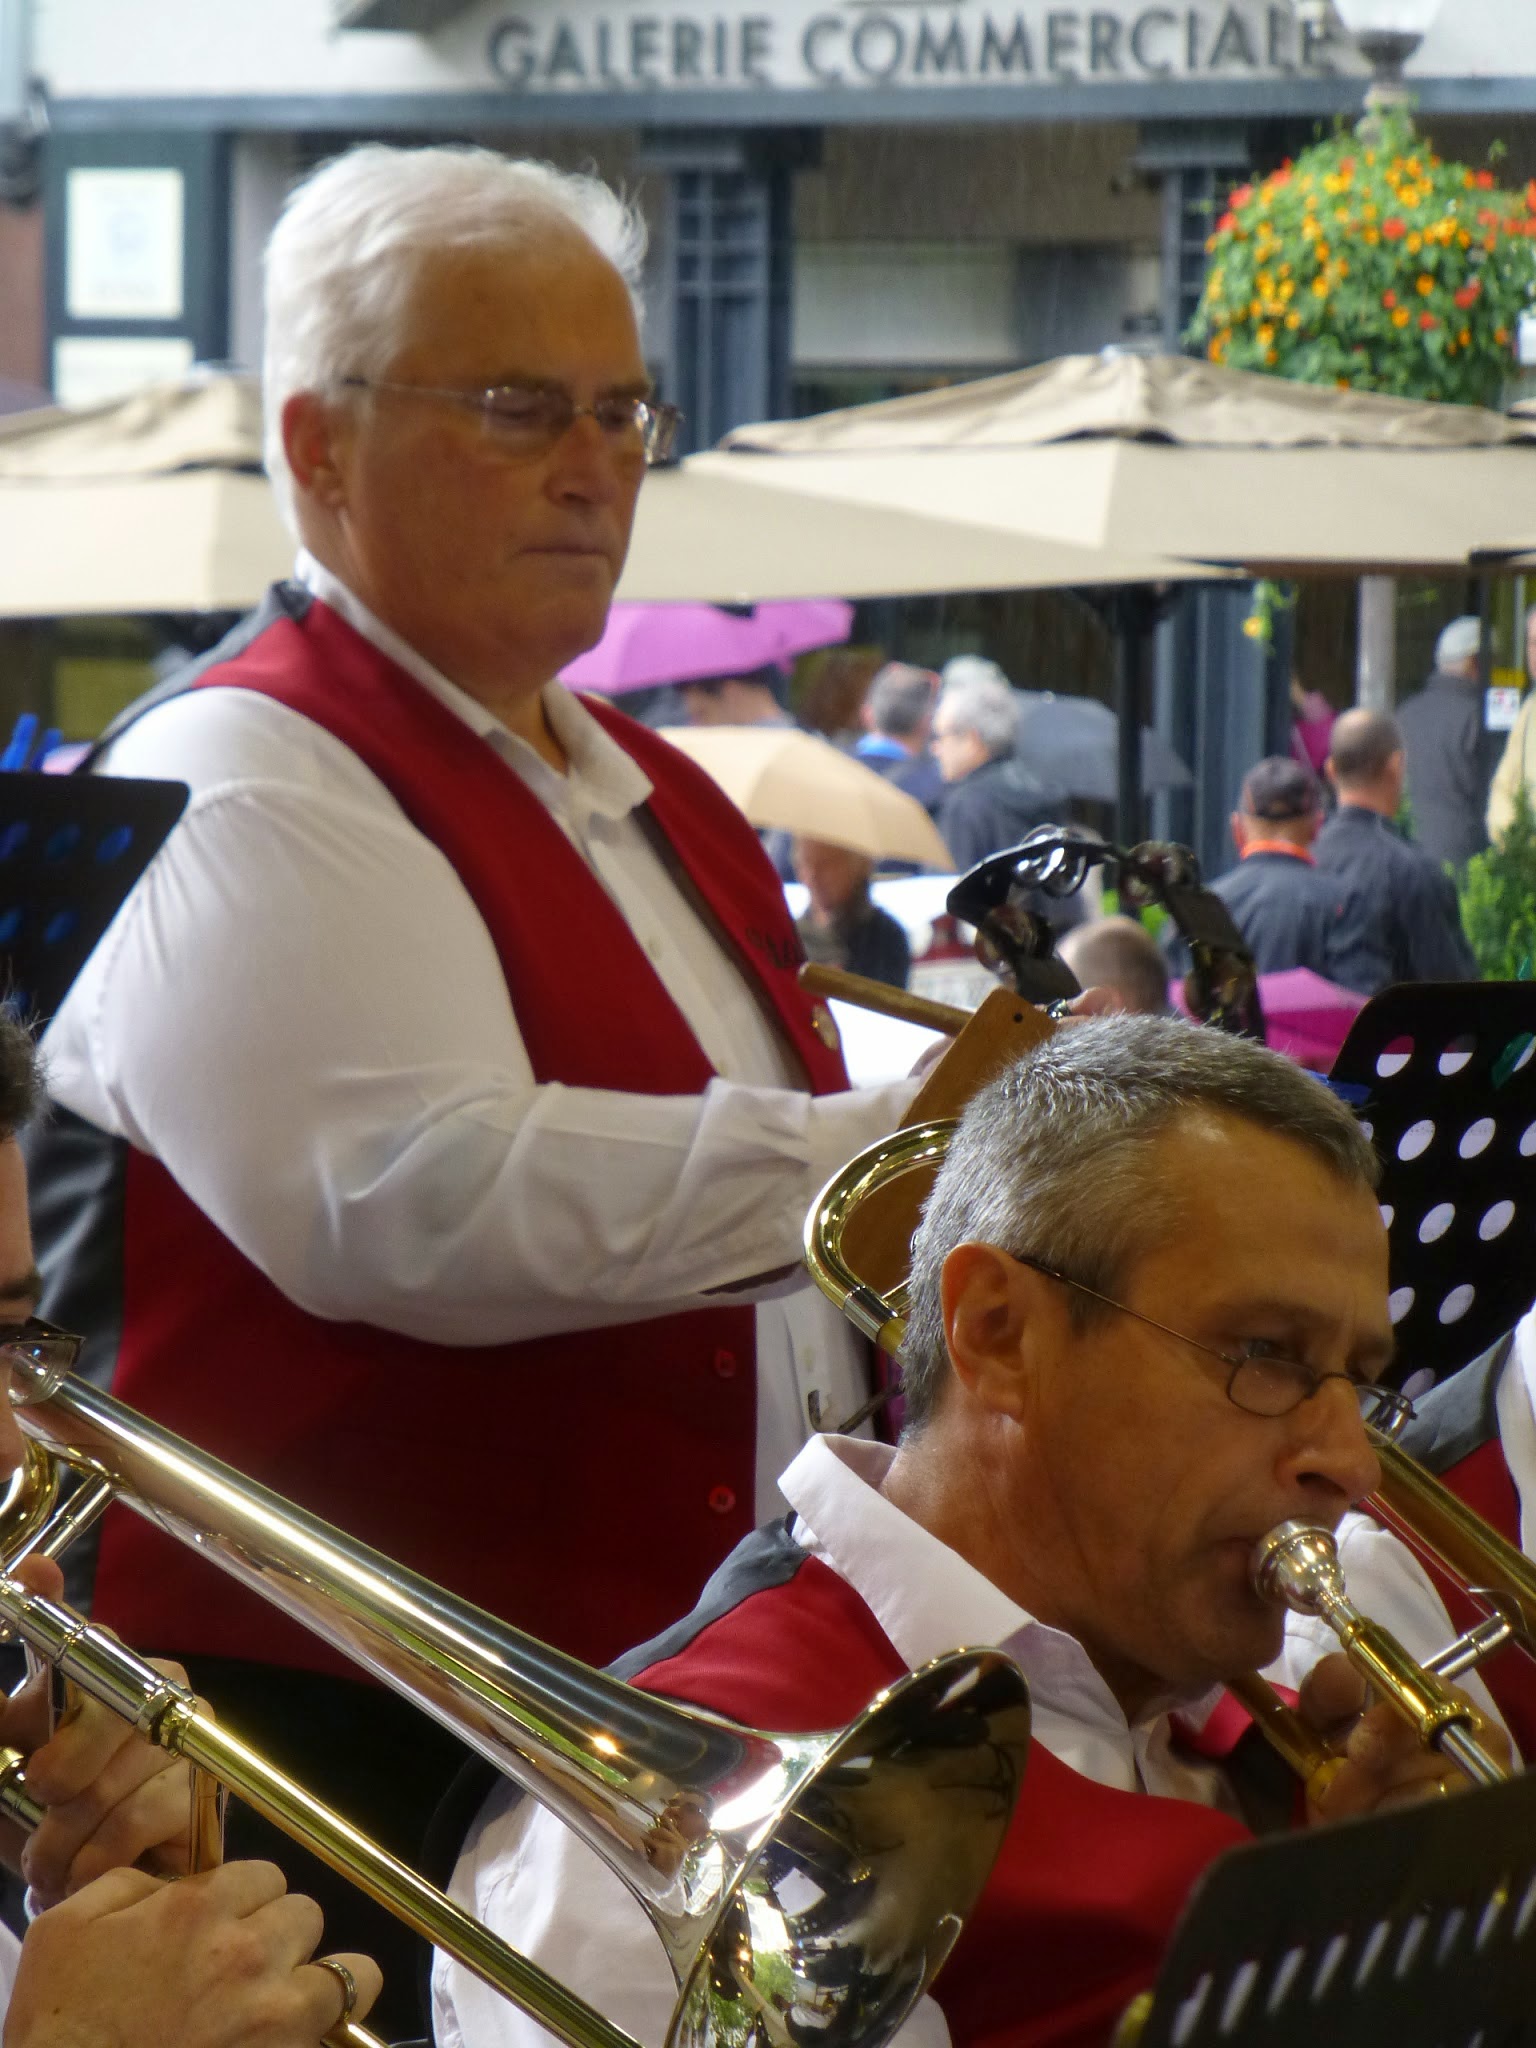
(1416, 1927)
(1450, 1074)
(71, 848)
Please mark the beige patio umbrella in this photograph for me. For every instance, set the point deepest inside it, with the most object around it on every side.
(727, 531)
(1125, 453)
(790, 781)
(154, 502)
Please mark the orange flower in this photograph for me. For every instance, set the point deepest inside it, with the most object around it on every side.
(1428, 320)
(1467, 296)
(1483, 180)
(1424, 284)
(1501, 336)
(1393, 229)
(1389, 299)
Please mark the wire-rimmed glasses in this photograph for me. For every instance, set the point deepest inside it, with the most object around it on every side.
(528, 419)
(1259, 1381)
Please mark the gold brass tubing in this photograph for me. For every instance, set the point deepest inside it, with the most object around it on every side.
(879, 1317)
(17, 1804)
(1471, 1550)
(1297, 1741)
(203, 1742)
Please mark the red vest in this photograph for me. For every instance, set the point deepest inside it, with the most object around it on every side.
(1084, 1898)
(582, 1486)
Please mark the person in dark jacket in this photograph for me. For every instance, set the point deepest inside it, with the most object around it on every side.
(841, 927)
(897, 715)
(1400, 919)
(1288, 913)
(992, 799)
(1451, 753)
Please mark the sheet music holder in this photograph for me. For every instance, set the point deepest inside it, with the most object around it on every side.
(71, 848)
(1450, 1074)
(1416, 1927)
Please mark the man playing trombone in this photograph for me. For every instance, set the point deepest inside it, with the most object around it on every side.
(116, 1956)
(1149, 1318)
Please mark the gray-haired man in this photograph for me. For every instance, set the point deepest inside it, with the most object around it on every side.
(1120, 1374)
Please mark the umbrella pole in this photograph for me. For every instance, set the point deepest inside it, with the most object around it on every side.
(1134, 613)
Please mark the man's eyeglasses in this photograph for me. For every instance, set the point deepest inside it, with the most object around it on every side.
(528, 419)
(41, 1349)
(1260, 1381)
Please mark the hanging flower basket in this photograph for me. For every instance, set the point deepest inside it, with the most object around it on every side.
(1373, 264)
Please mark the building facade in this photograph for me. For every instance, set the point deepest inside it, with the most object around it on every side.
(847, 198)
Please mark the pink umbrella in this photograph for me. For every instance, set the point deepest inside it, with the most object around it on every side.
(647, 644)
(1304, 1015)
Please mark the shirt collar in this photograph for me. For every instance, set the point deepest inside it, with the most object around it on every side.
(1285, 846)
(600, 774)
(926, 1597)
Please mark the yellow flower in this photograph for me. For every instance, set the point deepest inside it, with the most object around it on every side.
(1414, 244)
(1424, 284)
(1271, 356)
(1254, 628)
(1320, 287)
(1287, 290)
(1265, 336)
(1293, 320)
(1372, 237)
(1465, 337)
(1400, 316)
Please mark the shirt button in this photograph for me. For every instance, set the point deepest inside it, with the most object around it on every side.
(725, 1364)
(721, 1500)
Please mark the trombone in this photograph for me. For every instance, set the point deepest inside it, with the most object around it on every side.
(1296, 1565)
(800, 1884)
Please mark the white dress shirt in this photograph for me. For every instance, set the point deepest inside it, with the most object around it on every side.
(300, 1013)
(538, 1886)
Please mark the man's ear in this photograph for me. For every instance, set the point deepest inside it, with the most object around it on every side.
(312, 442)
(1238, 827)
(997, 1316)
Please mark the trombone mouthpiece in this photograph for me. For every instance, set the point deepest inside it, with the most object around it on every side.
(1297, 1565)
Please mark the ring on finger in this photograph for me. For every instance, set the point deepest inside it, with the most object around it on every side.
(345, 1979)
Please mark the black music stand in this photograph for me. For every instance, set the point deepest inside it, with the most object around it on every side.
(71, 848)
(1449, 1070)
(1416, 1928)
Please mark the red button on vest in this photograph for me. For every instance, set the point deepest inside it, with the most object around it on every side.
(725, 1364)
(722, 1499)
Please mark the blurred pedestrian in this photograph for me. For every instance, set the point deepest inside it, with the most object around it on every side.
(841, 927)
(1311, 725)
(1451, 753)
(1517, 764)
(897, 715)
(992, 799)
(1118, 954)
(1288, 913)
(1400, 920)
(761, 698)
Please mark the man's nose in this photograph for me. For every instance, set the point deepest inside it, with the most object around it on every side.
(585, 465)
(1329, 1447)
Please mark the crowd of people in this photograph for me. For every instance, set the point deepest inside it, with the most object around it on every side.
(432, 1138)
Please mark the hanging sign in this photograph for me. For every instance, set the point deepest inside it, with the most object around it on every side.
(868, 46)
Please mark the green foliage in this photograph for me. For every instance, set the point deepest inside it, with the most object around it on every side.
(1498, 900)
(1373, 264)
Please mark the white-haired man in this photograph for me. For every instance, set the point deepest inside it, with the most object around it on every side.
(1451, 753)
(447, 1087)
(992, 800)
(1149, 1315)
